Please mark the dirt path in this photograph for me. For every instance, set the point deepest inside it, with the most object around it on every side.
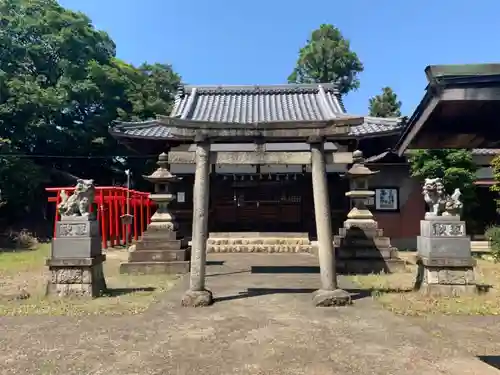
(263, 323)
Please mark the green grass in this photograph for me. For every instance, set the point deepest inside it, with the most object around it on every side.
(25, 271)
(394, 292)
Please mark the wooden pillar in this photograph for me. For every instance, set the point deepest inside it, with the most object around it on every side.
(198, 295)
(329, 294)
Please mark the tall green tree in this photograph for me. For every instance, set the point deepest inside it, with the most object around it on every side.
(327, 58)
(385, 104)
(61, 86)
(455, 166)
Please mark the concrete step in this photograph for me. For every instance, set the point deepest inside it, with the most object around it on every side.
(148, 268)
(158, 255)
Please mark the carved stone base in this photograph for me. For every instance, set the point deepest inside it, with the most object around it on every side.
(447, 281)
(76, 277)
(197, 298)
(328, 298)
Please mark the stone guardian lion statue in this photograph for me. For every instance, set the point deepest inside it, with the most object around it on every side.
(79, 203)
(441, 203)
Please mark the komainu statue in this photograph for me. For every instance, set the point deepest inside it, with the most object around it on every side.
(79, 203)
(441, 203)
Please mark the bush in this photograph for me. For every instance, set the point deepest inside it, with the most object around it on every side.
(22, 240)
(492, 234)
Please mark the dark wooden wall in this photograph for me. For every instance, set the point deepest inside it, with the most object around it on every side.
(260, 204)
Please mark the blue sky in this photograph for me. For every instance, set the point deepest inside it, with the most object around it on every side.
(257, 42)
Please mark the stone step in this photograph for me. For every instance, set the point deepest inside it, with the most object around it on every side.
(157, 234)
(367, 253)
(148, 268)
(259, 241)
(369, 233)
(260, 248)
(160, 245)
(379, 242)
(157, 255)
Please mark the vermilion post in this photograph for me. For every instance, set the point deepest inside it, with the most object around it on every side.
(56, 218)
(104, 234)
(136, 235)
(110, 217)
(142, 214)
(116, 217)
(122, 207)
(148, 210)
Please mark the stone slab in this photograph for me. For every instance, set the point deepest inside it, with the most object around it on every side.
(442, 228)
(76, 247)
(363, 242)
(147, 268)
(442, 290)
(157, 255)
(365, 253)
(160, 244)
(77, 228)
(446, 262)
(443, 247)
(368, 233)
(259, 248)
(75, 262)
(448, 276)
(160, 235)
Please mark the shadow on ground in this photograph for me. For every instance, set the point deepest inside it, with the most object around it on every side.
(116, 292)
(492, 360)
(356, 294)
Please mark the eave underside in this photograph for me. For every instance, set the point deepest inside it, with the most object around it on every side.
(457, 116)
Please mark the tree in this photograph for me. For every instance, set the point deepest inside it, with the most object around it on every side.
(385, 104)
(327, 58)
(61, 86)
(495, 166)
(455, 167)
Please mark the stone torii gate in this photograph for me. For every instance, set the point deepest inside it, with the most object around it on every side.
(315, 135)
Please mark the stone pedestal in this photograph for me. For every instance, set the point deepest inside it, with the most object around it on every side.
(160, 249)
(362, 248)
(445, 263)
(76, 259)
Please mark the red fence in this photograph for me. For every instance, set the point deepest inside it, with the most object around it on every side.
(112, 204)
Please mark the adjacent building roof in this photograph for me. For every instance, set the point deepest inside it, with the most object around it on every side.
(246, 105)
(459, 109)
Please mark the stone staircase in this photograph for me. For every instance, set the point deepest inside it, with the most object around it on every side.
(258, 242)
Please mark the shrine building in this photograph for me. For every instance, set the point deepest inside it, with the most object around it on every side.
(277, 197)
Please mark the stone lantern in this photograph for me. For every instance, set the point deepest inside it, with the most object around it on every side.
(160, 250)
(360, 245)
(162, 179)
(359, 175)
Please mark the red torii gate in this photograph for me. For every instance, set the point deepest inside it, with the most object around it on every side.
(112, 204)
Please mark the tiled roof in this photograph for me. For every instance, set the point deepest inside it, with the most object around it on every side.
(259, 104)
(251, 104)
(376, 125)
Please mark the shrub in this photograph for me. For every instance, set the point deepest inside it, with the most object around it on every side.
(22, 240)
(492, 234)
